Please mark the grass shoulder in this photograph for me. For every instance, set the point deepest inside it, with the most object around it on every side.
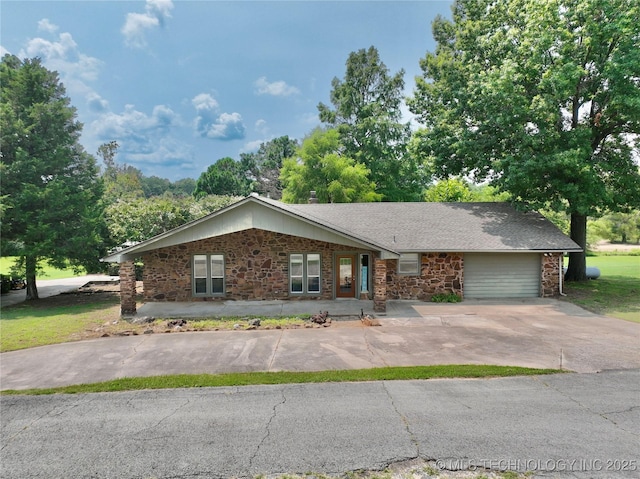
(283, 377)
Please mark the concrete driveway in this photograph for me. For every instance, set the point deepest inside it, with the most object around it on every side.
(53, 287)
(541, 333)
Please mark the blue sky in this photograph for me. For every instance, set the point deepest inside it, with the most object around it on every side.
(180, 84)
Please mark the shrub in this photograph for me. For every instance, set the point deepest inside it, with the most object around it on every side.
(445, 298)
(6, 284)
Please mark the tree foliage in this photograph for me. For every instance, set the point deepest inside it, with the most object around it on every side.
(619, 227)
(452, 189)
(134, 220)
(320, 166)
(366, 113)
(541, 98)
(51, 186)
(263, 166)
(120, 181)
(125, 181)
(225, 177)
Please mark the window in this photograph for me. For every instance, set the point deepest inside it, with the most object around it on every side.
(208, 274)
(409, 263)
(304, 273)
(364, 273)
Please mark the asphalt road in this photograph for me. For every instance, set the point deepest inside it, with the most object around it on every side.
(565, 426)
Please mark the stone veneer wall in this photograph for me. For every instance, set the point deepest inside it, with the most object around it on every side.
(550, 277)
(128, 304)
(256, 267)
(439, 273)
(379, 285)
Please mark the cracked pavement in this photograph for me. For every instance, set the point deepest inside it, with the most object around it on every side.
(560, 426)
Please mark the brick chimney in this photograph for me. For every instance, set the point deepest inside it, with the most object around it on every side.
(312, 198)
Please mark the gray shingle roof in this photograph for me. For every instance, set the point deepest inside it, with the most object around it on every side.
(408, 227)
(455, 227)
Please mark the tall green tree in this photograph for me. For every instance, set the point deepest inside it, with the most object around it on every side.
(184, 187)
(619, 227)
(51, 186)
(320, 166)
(263, 166)
(155, 186)
(134, 219)
(366, 112)
(541, 98)
(121, 181)
(225, 177)
(452, 189)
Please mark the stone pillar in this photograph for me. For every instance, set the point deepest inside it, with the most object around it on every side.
(552, 279)
(380, 286)
(127, 288)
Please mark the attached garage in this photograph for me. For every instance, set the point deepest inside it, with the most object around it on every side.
(511, 275)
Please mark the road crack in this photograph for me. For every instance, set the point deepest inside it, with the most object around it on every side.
(370, 349)
(50, 413)
(603, 415)
(164, 418)
(405, 421)
(135, 350)
(274, 413)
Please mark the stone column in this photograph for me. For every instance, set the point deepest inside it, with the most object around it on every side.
(127, 288)
(380, 286)
(552, 280)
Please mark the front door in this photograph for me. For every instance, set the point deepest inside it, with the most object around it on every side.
(345, 276)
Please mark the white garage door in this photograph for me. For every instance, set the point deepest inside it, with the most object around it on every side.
(515, 275)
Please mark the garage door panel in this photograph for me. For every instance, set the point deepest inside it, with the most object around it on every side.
(501, 275)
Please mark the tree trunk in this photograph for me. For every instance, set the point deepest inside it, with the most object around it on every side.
(30, 266)
(577, 270)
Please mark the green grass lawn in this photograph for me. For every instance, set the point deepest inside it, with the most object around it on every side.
(26, 325)
(298, 377)
(615, 293)
(48, 272)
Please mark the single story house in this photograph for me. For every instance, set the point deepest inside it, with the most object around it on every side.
(259, 248)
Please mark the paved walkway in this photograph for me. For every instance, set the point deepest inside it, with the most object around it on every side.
(540, 333)
(338, 309)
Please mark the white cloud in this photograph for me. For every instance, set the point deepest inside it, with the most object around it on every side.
(166, 152)
(144, 138)
(4, 51)
(208, 124)
(63, 56)
(277, 88)
(96, 103)
(45, 25)
(134, 124)
(136, 25)
(228, 126)
(204, 102)
(261, 127)
(252, 146)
